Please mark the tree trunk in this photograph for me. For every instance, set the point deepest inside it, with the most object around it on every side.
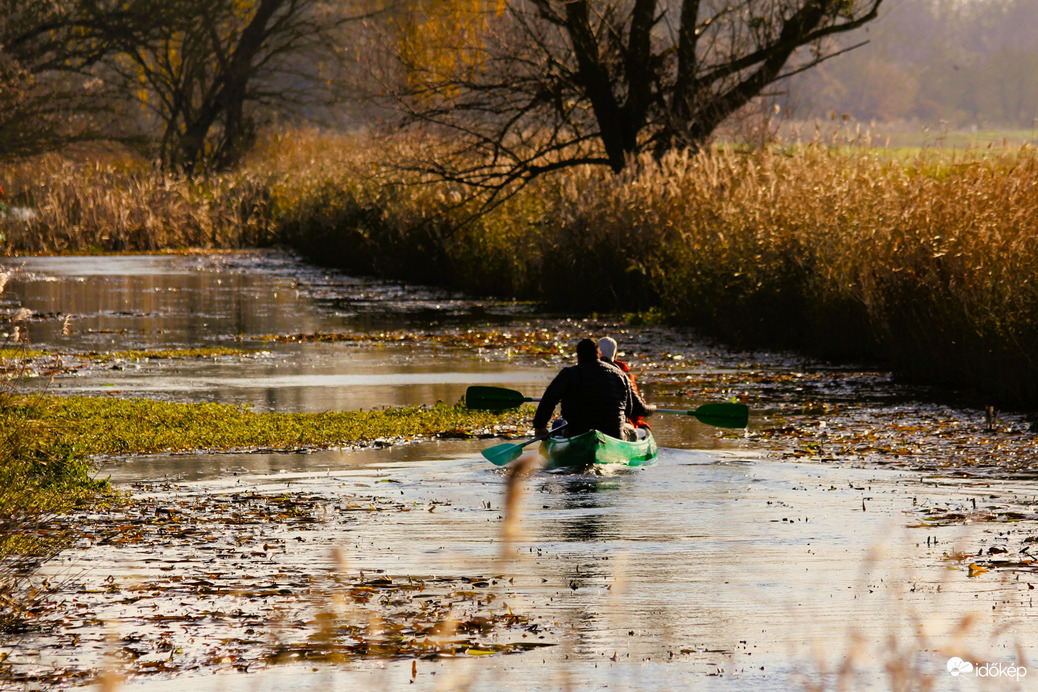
(596, 83)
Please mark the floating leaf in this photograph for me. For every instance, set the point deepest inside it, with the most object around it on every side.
(975, 569)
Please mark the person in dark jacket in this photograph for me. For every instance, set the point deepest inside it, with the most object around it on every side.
(595, 395)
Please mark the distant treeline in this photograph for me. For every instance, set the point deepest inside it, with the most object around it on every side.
(961, 62)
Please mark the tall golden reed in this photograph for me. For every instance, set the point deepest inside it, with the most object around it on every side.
(927, 260)
(106, 206)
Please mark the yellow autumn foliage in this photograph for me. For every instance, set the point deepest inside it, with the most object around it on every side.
(440, 40)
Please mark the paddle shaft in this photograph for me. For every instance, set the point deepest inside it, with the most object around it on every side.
(675, 411)
(720, 415)
(724, 415)
(501, 454)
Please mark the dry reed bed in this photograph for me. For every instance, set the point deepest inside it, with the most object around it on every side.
(928, 261)
(113, 207)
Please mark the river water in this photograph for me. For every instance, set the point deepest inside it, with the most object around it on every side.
(830, 544)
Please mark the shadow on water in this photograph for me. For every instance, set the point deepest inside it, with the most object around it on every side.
(583, 510)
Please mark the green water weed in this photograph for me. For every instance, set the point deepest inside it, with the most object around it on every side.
(80, 427)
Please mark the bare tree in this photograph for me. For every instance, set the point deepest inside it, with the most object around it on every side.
(22, 131)
(45, 102)
(558, 83)
(203, 71)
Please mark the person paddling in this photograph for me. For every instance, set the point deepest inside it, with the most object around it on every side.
(594, 395)
(607, 347)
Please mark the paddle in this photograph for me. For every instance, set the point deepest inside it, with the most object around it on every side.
(494, 398)
(718, 415)
(501, 454)
(721, 415)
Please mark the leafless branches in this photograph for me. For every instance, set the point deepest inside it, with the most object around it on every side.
(556, 84)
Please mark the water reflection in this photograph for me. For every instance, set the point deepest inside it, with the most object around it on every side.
(582, 505)
(148, 302)
(711, 568)
(155, 302)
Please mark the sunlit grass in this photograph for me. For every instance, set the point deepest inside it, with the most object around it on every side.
(169, 353)
(28, 363)
(19, 354)
(962, 139)
(35, 485)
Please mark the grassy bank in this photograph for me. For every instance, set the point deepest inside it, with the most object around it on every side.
(927, 261)
(36, 484)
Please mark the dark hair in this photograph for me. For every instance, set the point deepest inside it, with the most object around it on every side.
(587, 350)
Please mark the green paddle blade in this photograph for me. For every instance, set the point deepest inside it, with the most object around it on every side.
(493, 398)
(719, 415)
(723, 415)
(499, 455)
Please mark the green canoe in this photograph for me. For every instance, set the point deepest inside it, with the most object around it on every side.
(591, 448)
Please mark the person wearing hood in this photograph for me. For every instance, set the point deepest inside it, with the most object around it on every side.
(607, 347)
